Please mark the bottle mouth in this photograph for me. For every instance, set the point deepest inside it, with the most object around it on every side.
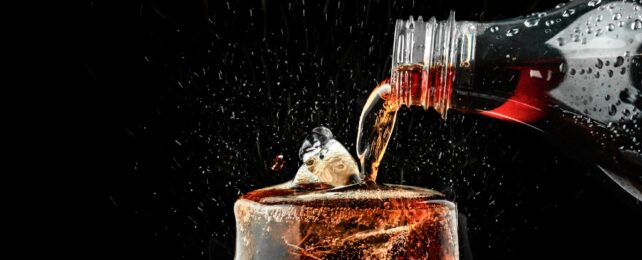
(424, 58)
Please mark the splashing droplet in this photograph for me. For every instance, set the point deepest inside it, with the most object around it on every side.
(278, 163)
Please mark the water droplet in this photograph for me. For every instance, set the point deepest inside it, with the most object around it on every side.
(618, 61)
(494, 29)
(568, 12)
(607, 98)
(594, 2)
(597, 74)
(599, 63)
(572, 71)
(617, 16)
(531, 22)
(599, 18)
(623, 71)
(512, 32)
(625, 96)
(558, 6)
(278, 163)
(560, 41)
(636, 25)
(611, 27)
(612, 110)
(610, 72)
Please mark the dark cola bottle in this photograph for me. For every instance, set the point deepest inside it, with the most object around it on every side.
(573, 73)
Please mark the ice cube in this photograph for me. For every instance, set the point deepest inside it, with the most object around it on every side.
(326, 161)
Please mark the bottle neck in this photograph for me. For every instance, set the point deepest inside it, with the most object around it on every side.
(426, 56)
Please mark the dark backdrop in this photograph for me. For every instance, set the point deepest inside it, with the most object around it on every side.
(183, 105)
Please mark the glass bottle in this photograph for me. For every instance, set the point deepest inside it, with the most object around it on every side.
(573, 73)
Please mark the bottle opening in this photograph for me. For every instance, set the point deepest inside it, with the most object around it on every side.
(424, 60)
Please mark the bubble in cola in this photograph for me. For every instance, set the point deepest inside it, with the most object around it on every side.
(327, 212)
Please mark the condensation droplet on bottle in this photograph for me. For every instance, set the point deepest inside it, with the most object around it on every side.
(572, 72)
(560, 41)
(599, 18)
(512, 32)
(611, 27)
(568, 12)
(610, 72)
(636, 25)
(607, 98)
(599, 63)
(617, 16)
(558, 6)
(532, 22)
(494, 29)
(625, 96)
(618, 61)
(626, 112)
(594, 2)
(598, 32)
(612, 110)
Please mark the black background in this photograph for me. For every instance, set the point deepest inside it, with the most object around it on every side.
(173, 109)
